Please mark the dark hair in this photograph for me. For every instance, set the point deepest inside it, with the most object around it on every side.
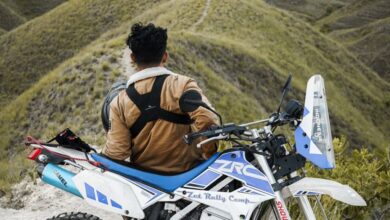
(148, 43)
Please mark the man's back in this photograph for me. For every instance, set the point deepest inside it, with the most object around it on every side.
(159, 144)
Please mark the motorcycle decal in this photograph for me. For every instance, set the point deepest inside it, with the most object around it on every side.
(151, 194)
(282, 212)
(90, 191)
(249, 191)
(235, 165)
(110, 192)
(203, 180)
(238, 205)
(61, 178)
(305, 193)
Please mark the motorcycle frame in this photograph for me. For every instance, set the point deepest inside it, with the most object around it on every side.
(279, 205)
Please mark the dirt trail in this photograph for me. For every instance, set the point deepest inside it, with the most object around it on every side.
(203, 16)
(127, 68)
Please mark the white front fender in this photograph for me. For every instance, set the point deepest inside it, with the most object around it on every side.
(315, 186)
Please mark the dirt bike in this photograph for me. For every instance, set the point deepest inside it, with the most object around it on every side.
(254, 179)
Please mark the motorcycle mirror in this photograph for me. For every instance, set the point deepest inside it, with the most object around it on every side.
(192, 100)
(294, 109)
(286, 88)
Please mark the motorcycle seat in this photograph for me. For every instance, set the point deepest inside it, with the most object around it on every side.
(168, 183)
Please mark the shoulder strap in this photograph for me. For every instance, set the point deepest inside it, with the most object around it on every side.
(150, 106)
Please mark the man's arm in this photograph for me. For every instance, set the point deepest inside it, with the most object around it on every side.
(203, 118)
(118, 144)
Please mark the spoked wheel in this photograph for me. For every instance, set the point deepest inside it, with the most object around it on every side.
(74, 216)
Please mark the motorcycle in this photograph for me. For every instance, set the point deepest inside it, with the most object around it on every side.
(254, 179)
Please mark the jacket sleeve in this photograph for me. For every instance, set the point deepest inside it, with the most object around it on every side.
(118, 144)
(203, 118)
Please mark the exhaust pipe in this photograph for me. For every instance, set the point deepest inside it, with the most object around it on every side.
(60, 178)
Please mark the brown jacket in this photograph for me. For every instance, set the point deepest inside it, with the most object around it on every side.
(159, 146)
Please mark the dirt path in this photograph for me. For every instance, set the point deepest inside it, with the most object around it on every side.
(127, 68)
(203, 16)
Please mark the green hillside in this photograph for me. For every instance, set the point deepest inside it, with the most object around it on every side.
(8, 18)
(371, 43)
(289, 45)
(357, 14)
(312, 10)
(362, 26)
(36, 47)
(252, 53)
(56, 69)
(15, 12)
(30, 9)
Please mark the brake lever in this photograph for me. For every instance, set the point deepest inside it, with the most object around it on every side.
(219, 137)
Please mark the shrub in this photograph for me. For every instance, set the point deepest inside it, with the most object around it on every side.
(364, 172)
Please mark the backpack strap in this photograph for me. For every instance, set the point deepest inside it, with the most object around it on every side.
(150, 106)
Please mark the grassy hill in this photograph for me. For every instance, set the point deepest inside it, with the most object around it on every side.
(371, 43)
(36, 47)
(252, 54)
(362, 26)
(59, 66)
(357, 14)
(312, 10)
(15, 12)
(8, 18)
(30, 9)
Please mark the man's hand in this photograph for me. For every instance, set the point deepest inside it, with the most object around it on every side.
(209, 149)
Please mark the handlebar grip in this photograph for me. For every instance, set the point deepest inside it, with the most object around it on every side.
(212, 132)
(189, 138)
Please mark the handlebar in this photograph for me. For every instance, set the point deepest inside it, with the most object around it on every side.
(276, 119)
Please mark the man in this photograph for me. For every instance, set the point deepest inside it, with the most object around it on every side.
(146, 122)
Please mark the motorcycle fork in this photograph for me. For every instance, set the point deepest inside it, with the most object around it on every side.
(278, 204)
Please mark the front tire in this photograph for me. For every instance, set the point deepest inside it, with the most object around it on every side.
(74, 216)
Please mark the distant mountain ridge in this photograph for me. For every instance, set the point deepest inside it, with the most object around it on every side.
(15, 12)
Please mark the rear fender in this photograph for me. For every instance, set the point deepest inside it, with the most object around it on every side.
(71, 153)
(316, 186)
(105, 192)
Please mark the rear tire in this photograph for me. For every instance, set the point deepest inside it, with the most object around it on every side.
(74, 216)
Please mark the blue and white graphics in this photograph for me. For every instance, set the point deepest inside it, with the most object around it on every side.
(234, 164)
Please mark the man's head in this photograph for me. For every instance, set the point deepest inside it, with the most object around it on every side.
(148, 45)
